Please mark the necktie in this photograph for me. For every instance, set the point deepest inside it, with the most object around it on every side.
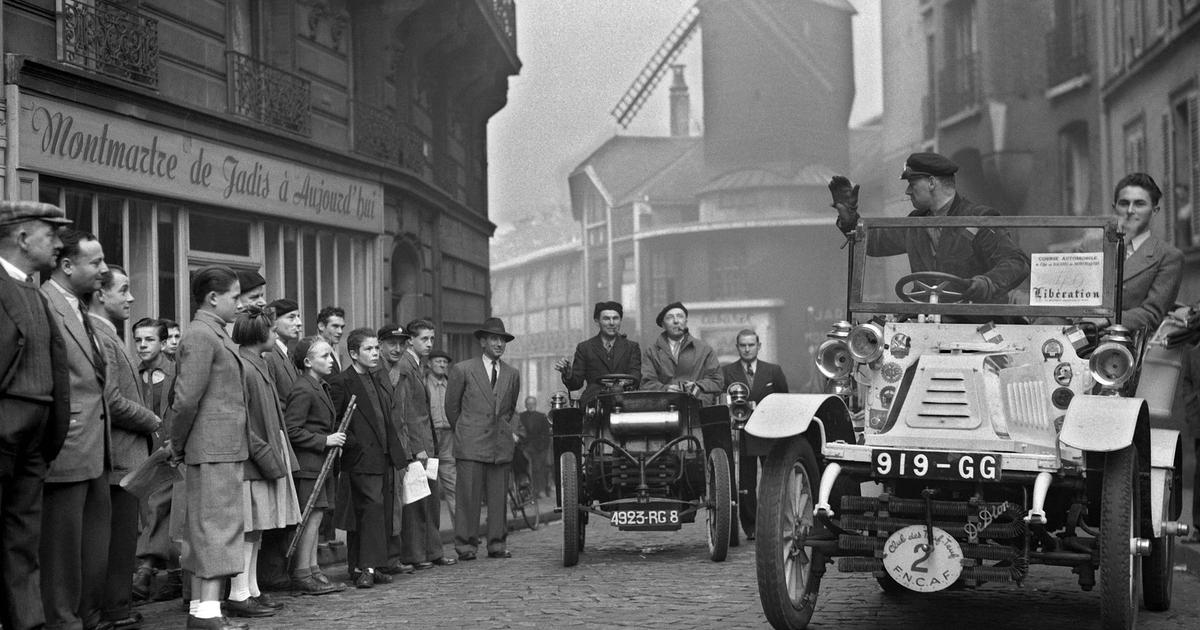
(750, 374)
(97, 355)
(1128, 249)
(493, 374)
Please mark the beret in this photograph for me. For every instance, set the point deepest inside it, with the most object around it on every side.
(283, 306)
(250, 279)
(928, 164)
(607, 306)
(663, 313)
(440, 354)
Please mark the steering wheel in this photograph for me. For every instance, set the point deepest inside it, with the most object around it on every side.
(946, 287)
(613, 381)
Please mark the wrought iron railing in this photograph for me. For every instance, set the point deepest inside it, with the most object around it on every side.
(415, 151)
(959, 86)
(1067, 54)
(110, 39)
(376, 133)
(449, 178)
(506, 16)
(269, 95)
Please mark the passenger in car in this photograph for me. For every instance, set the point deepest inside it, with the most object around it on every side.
(679, 362)
(986, 258)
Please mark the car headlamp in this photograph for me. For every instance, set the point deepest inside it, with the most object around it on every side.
(834, 360)
(739, 402)
(866, 342)
(1111, 364)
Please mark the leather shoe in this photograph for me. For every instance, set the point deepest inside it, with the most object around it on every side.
(324, 579)
(445, 562)
(246, 608)
(421, 566)
(309, 585)
(381, 578)
(216, 623)
(141, 582)
(398, 568)
(466, 555)
(134, 620)
(364, 580)
(268, 601)
(276, 584)
(500, 554)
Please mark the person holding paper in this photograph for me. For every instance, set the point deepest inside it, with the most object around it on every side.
(373, 451)
(420, 538)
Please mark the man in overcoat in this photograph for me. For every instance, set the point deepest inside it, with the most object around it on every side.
(481, 398)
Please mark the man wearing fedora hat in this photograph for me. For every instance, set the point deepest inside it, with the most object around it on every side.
(35, 400)
(986, 258)
(481, 398)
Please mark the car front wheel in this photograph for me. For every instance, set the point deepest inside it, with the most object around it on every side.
(789, 574)
(1120, 569)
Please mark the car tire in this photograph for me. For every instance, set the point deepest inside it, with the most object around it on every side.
(1120, 579)
(1158, 569)
(720, 509)
(572, 527)
(789, 576)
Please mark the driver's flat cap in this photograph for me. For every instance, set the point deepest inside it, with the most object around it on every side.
(928, 165)
(12, 212)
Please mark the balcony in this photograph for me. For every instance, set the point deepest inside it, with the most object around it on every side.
(376, 133)
(109, 39)
(959, 86)
(1067, 54)
(262, 92)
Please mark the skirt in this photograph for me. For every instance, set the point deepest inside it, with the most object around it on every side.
(215, 529)
(271, 503)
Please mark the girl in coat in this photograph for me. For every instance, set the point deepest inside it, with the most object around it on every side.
(312, 429)
(269, 495)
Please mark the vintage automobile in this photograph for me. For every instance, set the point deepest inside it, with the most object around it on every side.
(642, 461)
(960, 443)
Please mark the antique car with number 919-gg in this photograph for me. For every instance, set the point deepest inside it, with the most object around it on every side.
(960, 443)
(642, 461)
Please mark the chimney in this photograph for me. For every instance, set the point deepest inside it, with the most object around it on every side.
(681, 105)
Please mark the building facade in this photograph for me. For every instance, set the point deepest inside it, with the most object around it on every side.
(338, 147)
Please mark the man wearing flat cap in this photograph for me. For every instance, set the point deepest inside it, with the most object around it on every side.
(435, 381)
(481, 398)
(986, 258)
(679, 362)
(609, 352)
(35, 405)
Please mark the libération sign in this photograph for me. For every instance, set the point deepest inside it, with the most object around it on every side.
(64, 139)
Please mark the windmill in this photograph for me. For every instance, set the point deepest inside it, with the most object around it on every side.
(643, 86)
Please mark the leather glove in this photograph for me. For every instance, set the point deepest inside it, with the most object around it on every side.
(845, 201)
(979, 289)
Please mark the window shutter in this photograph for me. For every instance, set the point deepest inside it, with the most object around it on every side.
(1194, 157)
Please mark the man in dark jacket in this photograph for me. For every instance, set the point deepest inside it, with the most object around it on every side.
(609, 352)
(986, 258)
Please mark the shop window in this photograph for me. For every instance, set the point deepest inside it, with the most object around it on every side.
(110, 228)
(218, 235)
(327, 272)
(78, 206)
(309, 307)
(141, 259)
(50, 194)
(291, 257)
(168, 277)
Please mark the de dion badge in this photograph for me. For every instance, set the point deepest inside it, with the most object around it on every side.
(919, 565)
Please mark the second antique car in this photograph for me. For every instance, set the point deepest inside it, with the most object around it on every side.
(642, 461)
(960, 444)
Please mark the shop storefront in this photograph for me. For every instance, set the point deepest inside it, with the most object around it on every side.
(164, 203)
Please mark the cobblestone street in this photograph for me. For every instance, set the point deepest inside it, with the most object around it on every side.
(665, 580)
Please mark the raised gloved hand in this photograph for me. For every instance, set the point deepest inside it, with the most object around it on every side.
(845, 201)
(979, 289)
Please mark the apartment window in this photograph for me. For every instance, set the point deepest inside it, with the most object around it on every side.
(960, 78)
(664, 269)
(729, 271)
(1075, 168)
(1135, 145)
(600, 279)
(1184, 182)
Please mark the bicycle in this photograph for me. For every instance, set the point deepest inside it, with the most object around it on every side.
(522, 499)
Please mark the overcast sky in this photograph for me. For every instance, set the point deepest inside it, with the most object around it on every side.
(579, 57)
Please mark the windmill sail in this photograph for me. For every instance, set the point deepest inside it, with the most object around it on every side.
(643, 86)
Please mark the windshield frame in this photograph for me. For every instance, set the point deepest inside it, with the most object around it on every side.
(1111, 242)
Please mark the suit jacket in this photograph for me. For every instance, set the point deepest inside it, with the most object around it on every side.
(20, 304)
(283, 372)
(768, 378)
(86, 451)
(592, 361)
(396, 414)
(372, 446)
(167, 367)
(133, 424)
(697, 362)
(310, 417)
(264, 418)
(1150, 285)
(482, 418)
(416, 405)
(208, 405)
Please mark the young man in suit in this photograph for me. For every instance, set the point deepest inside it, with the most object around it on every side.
(75, 533)
(761, 378)
(1152, 273)
(373, 451)
(481, 398)
(609, 352)
(35, 400)
(421, 540)
(132, 435)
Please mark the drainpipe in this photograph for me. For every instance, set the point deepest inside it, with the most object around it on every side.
(12, 157)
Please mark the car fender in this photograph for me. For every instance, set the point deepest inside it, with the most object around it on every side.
(781, 416)
(1166, 468)
(1103, 424)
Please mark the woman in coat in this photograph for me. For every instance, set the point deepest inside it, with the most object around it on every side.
(269, 493)
(312, 429)
(207, 421)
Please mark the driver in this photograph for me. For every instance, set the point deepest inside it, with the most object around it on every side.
(609, 352)
(679, 362)
(986, 259)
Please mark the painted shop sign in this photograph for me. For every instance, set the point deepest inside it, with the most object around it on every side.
(64, 139)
